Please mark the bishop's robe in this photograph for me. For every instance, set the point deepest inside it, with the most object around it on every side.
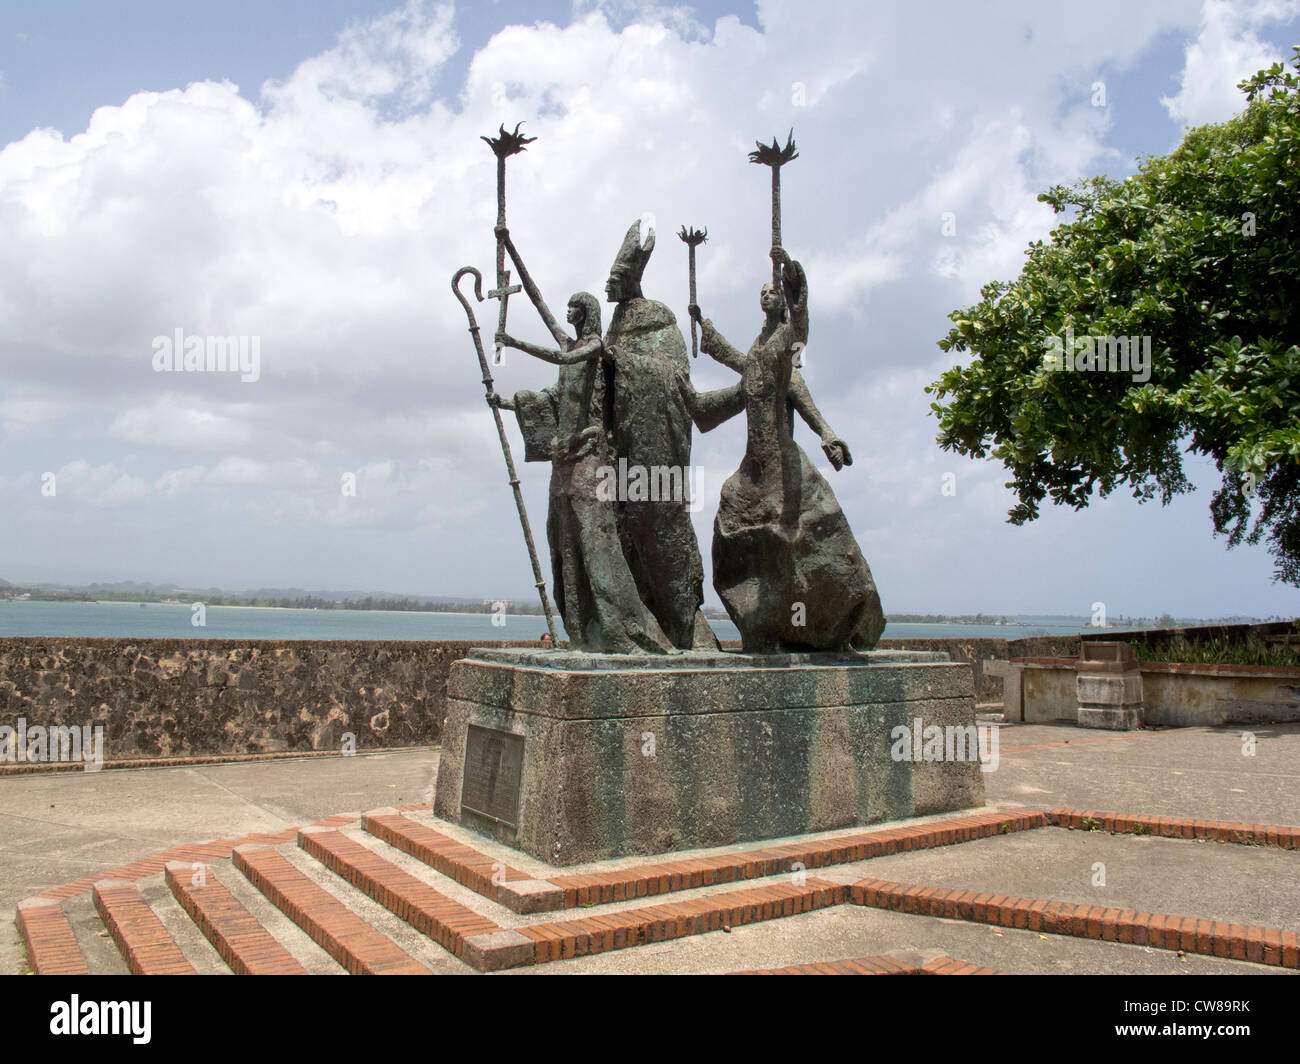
(652, 410)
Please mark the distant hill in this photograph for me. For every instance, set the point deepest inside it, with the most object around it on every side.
(350, 596)
(135, 589)
(130, 586)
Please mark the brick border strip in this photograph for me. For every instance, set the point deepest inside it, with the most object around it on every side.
(245, 945)
(339, 931)
(475, 870)
(669, 876)
(1211, 938)
(540, 943)
(493, 879)
(51, 943)
(144, 942)
(1270, 835)
(879, 965)
(434, 915)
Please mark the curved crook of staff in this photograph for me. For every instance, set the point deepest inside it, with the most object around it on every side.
(505, 442)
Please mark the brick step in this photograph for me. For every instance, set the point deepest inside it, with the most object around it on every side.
(539, 943)
(191, 941)
(430, 912)
(244, 944)
(144, 941)
(485, 875)
(1212, 938)
(670, 876)
(516, 890)
(343, 934)
(97, 945)
(299, 943)
(47, 933)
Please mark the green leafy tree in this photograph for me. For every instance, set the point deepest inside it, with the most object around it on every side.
(1200, 252)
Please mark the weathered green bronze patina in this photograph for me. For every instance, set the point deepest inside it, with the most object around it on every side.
(626, 566)
(785, 562)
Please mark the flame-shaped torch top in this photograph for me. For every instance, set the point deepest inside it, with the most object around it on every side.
(773, 154)
(507, 143)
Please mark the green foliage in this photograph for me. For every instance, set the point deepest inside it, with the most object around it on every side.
(1220, 651)
(1199, 250)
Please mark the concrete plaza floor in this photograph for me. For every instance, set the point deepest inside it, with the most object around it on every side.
(60, 827)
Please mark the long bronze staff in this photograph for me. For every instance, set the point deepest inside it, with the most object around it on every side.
(693, 238)
(503, 292)
(775, 156)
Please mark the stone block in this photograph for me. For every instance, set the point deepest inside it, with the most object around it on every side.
(530, 896)
(1109, 687)
(575, 758)
(493, 951)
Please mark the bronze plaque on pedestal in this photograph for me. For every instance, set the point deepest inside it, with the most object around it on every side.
(494, 762)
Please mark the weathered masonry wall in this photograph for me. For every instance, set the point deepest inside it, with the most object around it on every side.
(1173, 695)
(175, 698)
(182, 698)
(988, 687)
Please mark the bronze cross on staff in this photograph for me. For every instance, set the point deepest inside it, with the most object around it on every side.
(503, 146)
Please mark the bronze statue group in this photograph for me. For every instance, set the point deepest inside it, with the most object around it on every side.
(627, 572)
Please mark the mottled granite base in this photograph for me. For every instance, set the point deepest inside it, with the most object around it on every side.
(644, 755)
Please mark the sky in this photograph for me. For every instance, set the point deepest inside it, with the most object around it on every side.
(309, 175)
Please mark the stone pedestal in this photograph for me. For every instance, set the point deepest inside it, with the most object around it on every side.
(575, 757)
(1109, 687)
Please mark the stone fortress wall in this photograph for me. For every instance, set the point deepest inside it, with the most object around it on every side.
(204, 698)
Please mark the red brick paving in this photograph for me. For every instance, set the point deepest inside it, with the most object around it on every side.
(146, 944)
(51, 944)
(445, 921)
(244, 944)
(1271, 835)
(332, 925)
(1162, 931)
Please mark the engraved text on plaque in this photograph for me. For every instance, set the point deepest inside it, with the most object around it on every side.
(494, 761)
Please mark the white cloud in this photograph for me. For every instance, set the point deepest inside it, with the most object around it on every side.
(80, 483)
(1226, 51)
(326, 214)
(18, 414)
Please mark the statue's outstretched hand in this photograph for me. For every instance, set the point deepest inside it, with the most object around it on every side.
(837, 451)
(694, 311)
(709, 339)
